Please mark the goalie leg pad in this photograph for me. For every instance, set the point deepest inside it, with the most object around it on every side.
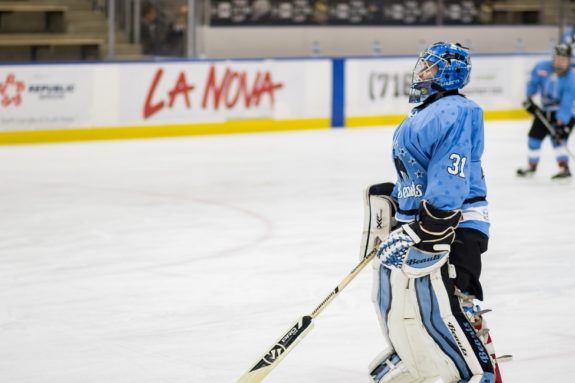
(440, 310)
(430, 337)
(475, 316)
(397, 308)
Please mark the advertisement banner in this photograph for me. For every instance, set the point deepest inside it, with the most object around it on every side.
(379, 87)
(43, 97)
(197, 92)
(67, 102)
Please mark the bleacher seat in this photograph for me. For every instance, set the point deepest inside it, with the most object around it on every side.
(36, 30)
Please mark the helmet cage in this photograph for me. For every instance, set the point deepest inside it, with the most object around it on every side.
(443, 66)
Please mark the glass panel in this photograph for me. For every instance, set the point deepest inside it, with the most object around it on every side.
(323, 12)
(163, 28)
(379, 12)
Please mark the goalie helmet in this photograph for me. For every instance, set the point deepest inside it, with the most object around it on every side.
(442, 66)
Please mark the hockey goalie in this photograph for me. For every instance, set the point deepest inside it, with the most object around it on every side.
(427, 269)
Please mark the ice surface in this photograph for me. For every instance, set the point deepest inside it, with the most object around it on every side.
(183, 260)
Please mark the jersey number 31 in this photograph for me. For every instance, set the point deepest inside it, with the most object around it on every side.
(458, 166)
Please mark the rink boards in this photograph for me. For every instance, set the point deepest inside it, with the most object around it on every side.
(86, 101)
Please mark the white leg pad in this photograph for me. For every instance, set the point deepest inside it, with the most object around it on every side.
(403, 328)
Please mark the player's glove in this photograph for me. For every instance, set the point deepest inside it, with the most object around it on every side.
(423, 245)
(561, 132)
(529, 105)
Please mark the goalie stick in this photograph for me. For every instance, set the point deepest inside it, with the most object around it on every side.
(550, 128)
(300, 328)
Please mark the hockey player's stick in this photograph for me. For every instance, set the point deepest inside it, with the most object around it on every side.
(300, 328)
(550, 128)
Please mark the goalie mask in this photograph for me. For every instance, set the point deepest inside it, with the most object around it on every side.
(441, 67)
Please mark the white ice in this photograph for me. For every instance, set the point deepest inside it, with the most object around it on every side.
(183, 260)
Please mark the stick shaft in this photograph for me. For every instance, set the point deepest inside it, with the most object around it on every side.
(331, 296)
(300, 328)
(551, 130)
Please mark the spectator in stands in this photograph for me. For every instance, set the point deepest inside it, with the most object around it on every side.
(261, 11)
(151, 31)
(320, 12)
(177, 33)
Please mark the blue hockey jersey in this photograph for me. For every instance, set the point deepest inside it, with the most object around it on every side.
(437, 153)
(568, 36)
(557, 92)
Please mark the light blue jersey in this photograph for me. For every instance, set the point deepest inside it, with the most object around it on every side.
(557, 92)
(437, 152)
(568, 36)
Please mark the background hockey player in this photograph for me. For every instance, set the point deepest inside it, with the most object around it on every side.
(554, 81)
(568, 37)
(428, 269)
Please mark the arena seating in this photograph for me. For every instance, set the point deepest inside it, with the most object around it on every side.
(56, 30)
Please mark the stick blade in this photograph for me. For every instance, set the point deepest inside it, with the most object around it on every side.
(278, 351)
